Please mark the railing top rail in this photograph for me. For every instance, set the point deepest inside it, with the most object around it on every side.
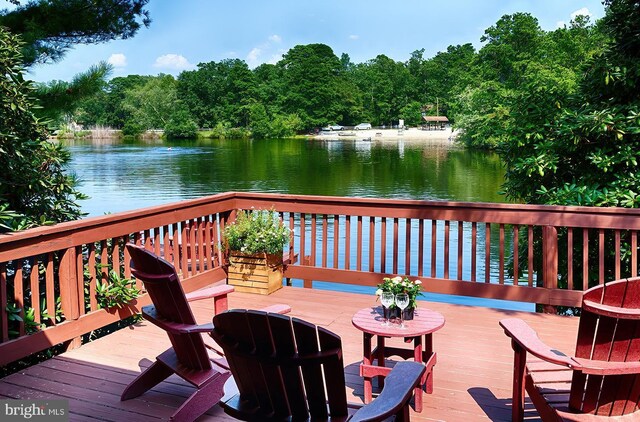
(72, 233)
(95, 228)
(508, 213)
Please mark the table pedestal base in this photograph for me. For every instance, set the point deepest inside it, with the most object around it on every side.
(422, 352)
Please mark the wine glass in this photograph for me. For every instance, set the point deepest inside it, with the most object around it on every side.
(387, 299)
(402, 301)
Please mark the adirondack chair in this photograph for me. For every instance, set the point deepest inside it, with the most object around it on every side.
(283, 366)
(188, 357)
(602, 380)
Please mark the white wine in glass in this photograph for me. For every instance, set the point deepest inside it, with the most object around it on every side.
(387, 300)
(402, 301)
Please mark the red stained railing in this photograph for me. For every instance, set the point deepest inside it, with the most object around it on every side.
(538, 254)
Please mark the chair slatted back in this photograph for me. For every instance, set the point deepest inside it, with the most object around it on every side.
(610, 332)
(283, 367)
(169, 302)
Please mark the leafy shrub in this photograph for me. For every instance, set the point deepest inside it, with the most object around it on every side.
(116, 291)
(256, 231)
(132, 129)
(34, 187)
(181, 125)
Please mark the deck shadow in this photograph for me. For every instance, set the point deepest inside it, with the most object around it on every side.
(497, 409)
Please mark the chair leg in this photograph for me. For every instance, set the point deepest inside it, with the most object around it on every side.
(403, 414)
(202, 400)
(150, 377)
(519, 364)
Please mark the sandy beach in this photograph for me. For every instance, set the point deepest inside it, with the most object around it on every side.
(386, 134)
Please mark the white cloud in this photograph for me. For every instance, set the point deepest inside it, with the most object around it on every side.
(266, 52)
(354, 37)
(172, 61)
(253, 58)
(584, 12)
(117, 60)
(561, 24)
(275, 58)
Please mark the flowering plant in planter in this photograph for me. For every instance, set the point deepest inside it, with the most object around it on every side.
(398, 284)
(256, 231)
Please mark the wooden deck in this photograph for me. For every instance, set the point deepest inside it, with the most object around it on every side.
(472, 377)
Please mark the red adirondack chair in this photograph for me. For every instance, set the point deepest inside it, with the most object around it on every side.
(283, 366)
(188, 357)
(603, 379)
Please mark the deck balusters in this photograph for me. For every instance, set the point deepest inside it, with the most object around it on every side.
(408, 238)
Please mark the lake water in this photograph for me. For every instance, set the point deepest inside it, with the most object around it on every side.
(121, 176)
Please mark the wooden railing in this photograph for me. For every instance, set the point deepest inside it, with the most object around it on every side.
(538, 254)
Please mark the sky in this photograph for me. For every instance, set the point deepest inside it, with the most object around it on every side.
(187, 32)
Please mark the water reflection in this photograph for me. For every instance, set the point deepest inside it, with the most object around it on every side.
(121, 176)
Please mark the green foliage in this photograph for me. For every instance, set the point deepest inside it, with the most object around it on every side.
(398, 285)
(256, 231)
(153, 104)
(181, 125)
(586, 151)
(525, 77)
(51, 27)
(34, 187)
(60, 99)
(132, 129)
(223, 131)
(116, 291)
(277, 126)
(218, 92)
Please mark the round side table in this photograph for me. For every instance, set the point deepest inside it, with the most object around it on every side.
(423, 325)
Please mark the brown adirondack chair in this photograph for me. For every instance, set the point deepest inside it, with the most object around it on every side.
(602, 381)
(283, 366)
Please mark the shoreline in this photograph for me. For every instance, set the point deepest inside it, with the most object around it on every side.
(387, 134)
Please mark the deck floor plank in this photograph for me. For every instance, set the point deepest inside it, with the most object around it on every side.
(472, 379)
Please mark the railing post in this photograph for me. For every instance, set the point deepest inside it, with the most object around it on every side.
(69, 291)
(549, 262)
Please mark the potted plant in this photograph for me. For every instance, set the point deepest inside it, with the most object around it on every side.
(397, 285)
(254, 243)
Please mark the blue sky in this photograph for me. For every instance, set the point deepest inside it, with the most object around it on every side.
(187, 32)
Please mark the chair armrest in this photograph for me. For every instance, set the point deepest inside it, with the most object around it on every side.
(601, 367)
(209, 292)
(279, 308)
(397, 391)
(528, 339)
(149, 313)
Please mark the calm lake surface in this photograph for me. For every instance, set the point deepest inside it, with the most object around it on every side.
(120, 176)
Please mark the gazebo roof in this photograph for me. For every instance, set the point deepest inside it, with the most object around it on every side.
(435, 118)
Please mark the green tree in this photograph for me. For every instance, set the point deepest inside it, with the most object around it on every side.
(181, 125)
(49, 28)
(386, 88)
(218, 92)
(586, 154)
(34, 187)
(314, 80)
(107, 107)
(446, 75)
(60, 99)
(152, 105)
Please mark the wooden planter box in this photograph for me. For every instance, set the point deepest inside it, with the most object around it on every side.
(261, 273)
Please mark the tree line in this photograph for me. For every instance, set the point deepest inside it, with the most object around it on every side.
(312, 87)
